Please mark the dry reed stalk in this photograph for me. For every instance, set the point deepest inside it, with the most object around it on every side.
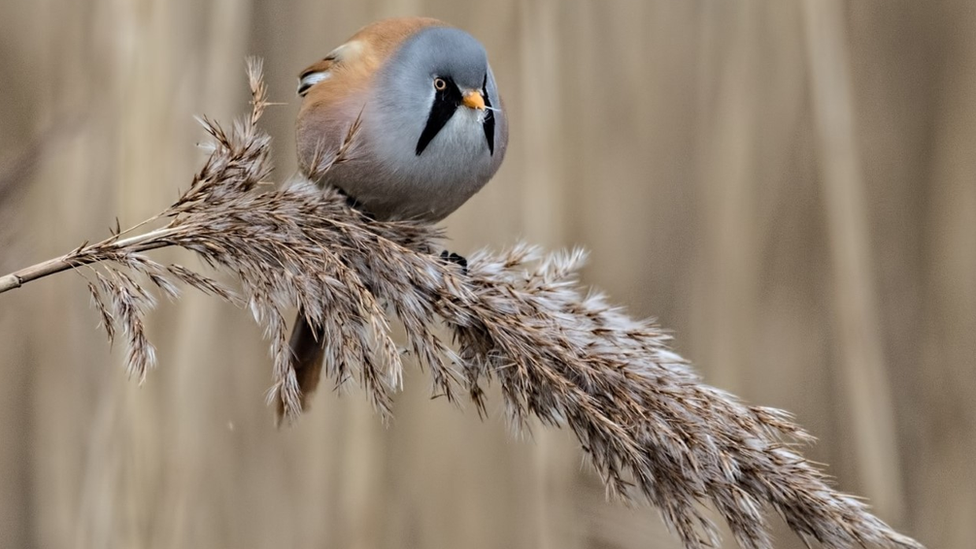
(650, 427)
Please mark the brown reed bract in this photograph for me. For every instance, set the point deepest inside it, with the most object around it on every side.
(650, 427)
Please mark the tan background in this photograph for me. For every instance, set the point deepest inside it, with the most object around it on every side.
(789, 185)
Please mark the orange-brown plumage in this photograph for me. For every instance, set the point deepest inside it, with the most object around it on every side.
(331, 106)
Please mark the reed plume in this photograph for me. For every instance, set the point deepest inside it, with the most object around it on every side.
(651, 429)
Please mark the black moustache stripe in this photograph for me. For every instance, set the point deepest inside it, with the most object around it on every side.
(446, 103)
(489, 123)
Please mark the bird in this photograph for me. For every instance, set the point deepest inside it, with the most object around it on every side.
(430, 131)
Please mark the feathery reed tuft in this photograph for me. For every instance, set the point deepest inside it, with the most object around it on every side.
(519, 318)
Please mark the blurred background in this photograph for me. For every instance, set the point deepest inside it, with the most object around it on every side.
(789, 186)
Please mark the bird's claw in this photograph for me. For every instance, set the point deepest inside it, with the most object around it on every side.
(455, 258)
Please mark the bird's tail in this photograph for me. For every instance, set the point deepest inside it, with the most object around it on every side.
(307, 350)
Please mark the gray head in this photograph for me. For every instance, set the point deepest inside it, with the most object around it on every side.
(433, 122)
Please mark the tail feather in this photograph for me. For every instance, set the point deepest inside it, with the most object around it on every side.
(307, 350)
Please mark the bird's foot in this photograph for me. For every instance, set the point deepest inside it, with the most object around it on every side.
(455, 258)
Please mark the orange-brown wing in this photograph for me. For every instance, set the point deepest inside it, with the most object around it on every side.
(334, 88)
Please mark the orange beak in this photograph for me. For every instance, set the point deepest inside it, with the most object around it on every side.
(474, 100)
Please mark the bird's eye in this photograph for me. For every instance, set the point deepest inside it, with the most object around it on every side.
(440, 84)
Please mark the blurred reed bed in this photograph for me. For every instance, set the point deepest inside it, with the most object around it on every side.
(692, 147)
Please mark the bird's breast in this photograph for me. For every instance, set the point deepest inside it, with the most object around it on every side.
(388, 177)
